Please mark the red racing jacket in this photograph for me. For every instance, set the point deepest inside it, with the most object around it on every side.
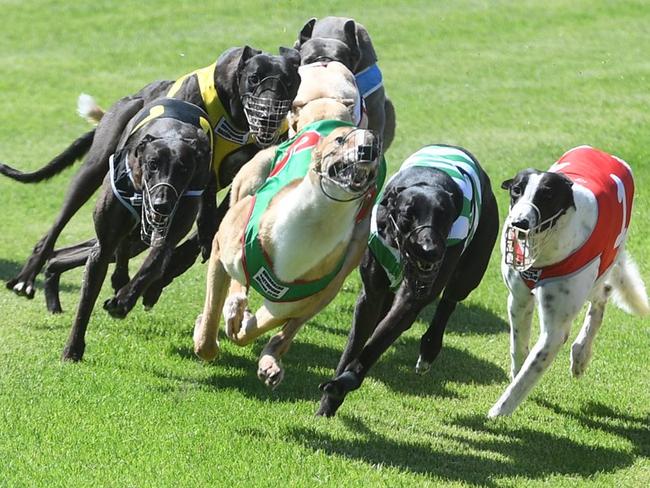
(610, 180)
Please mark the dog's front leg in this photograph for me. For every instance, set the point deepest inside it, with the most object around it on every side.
(521, 305)
(206, 329)
(559, 303)
(125, 299)
(399, 318)
(373, 302)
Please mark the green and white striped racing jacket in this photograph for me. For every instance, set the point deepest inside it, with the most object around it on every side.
(462, 168)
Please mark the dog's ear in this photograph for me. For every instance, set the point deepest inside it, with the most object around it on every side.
(246, 53)
(569, 186)
(350, 29)
(305, 33)
(505, 185)
(291, 55)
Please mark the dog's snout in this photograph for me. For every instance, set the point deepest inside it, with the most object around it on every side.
(523, 224)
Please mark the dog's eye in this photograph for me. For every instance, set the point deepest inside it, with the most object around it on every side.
(152, 165)
(339, 140)
(516, 191)
(254, 79)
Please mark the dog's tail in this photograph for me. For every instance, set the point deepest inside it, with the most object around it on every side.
(89, 109)
(75, 151)
(629, 292)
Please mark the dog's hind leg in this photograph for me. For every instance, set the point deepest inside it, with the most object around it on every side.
(582, 346)
(61, 261)
(83, 185)
(269, 366)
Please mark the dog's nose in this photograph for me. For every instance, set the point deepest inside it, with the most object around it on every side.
(523, 224)
(162, 206)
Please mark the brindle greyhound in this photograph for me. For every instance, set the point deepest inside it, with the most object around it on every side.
(344, 40)
(161, 165)
(236, 83)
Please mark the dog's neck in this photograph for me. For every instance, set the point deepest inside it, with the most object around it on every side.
(309, 231)
(571, 230)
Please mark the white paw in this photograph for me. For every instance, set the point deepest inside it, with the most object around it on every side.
(270, 371)
(422, 367)
(18, 287)
(500, 409)
(580, 357)
(233, 313)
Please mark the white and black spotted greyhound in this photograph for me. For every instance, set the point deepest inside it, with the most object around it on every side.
(563, 245)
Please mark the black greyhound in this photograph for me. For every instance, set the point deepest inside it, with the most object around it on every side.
(160, 168)
(237, 84)
(344, 40)
(432, 232)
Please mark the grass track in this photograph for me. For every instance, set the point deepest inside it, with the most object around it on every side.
(517, 83)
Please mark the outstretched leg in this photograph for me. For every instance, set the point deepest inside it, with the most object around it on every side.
(373, 303)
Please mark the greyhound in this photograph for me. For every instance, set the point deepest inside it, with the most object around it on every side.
(344, 40)
(246, 94)
(294, 241)
(563, 244)
(160, 168)
(432, 232)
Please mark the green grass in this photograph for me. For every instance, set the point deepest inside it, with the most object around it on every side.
(517, 83)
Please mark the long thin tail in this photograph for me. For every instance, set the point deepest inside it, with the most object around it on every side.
(75, 151)
(629, 292)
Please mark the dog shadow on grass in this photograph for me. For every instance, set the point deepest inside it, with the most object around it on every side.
(308, 364)
(488, 452)
(598, 416)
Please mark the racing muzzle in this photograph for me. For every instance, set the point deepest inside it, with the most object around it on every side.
(155, 224)
(356, 169)
(524, 245)
(266, 108)
(422, 273)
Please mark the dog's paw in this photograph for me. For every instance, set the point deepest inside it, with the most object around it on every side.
(73, 352)
(422, 366)
(116, 308)
(270, 371)
(234, 310)
(499, 409)
(580, 357)
(207, 351)
(23, 288)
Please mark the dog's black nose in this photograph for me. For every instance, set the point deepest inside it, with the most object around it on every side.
(521, 224)
(162, 206)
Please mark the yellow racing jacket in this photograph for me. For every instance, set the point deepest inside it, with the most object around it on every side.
(227, 138)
